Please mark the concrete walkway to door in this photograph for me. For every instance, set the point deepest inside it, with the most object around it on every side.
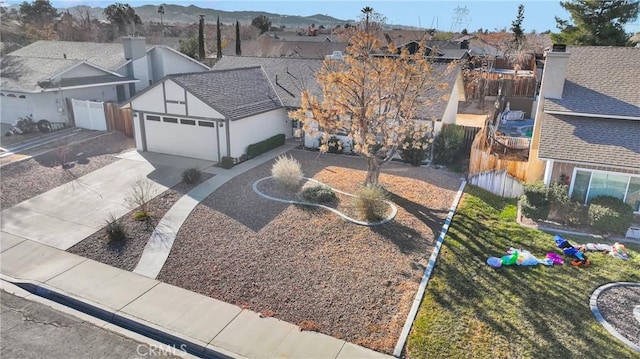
(159, 246)
(67, 214)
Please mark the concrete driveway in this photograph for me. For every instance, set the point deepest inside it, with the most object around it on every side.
(68, 214)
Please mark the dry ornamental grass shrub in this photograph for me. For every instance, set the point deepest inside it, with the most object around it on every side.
(287, 171)
(370, 202)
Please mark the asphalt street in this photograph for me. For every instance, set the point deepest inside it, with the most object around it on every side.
(33, 330)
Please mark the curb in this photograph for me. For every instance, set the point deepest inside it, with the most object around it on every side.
(593, 303)
(427, 274)
(121, 320)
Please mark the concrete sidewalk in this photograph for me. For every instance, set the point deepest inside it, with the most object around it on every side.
(207, 326)
(159, 246)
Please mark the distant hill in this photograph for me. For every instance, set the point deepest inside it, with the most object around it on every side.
(178, 14)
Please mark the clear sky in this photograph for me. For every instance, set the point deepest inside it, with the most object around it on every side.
(496, 14)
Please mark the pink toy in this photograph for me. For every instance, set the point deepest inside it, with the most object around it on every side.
(555, 258)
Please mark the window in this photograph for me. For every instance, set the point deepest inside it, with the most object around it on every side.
(588, 185)
(22, 96)
(206, 124)
(170, 119)
(188, 122)
(152, 118)
(633, 194)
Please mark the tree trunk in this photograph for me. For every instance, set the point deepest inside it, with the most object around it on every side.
(373, 171)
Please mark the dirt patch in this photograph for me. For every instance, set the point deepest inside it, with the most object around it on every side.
(126, 254)
(27, 179)
(308, 266)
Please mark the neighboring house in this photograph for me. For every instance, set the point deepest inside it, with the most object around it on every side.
(588, 122)
(39, 79)
(208, 115)
(268, 46)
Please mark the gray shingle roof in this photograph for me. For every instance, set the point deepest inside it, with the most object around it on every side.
(235, 93)
(591, 140)
(29, 71)
(107, 56)
(270, 47)
(288, 76)
(601, 80)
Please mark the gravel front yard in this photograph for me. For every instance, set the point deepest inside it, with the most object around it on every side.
(126, 254)
(27, 179)
(308, 266)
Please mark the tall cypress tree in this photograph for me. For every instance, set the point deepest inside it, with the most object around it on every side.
(238, 48)
(201, 53)
(218, 39)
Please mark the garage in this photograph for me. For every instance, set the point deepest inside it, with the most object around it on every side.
(208, 115)
(13, 107)
(182, 136)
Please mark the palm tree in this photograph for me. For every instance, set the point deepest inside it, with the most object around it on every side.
(367, 11)
(161, 12)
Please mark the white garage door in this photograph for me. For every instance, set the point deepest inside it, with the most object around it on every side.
(13, 107)
(181, 137)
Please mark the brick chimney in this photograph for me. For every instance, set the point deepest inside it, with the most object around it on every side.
(554, 73)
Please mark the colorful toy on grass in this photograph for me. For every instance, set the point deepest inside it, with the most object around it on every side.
(616, 251)
(572, 251)
(519, 257)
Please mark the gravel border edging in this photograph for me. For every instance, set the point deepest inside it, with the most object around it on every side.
(394, 209)
(593, 303)
(397, 352)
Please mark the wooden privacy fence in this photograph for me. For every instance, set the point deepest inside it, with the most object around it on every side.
(490, 84)
(118, 118)
(469, 136)
(498, 183)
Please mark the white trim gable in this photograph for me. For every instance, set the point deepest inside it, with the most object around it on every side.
(85, 63)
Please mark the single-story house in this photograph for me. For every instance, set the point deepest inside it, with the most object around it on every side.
(589, 119)
(208, 115)
(290, 76)
(38, 79)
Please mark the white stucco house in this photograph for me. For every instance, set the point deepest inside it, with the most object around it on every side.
(208, 115)
(38, 79)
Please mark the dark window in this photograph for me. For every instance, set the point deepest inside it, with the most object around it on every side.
(120, 93)
(22, 96)
(206, 124)
(170, 119)
(188, 122)
(11, 95)
(153, 118)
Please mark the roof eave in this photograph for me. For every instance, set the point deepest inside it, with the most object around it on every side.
(592, 115)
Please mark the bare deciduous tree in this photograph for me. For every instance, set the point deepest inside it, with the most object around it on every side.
(373, 96)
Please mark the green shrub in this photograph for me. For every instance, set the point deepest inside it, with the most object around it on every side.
(610, 215)
(319, 194)
(370, 202)
(115, 229)
(565, 209)
(287, 171)
(261, 147)
(448, 144)
(191, 175)
(533, 212)
(415, 151)
(537, 194)
(226, 162)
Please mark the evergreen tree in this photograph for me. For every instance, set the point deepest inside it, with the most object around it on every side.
(238, 48)
(516, 26)
(599, 23)
(218, 40)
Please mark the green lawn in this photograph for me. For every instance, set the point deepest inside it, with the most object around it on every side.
(473, 311)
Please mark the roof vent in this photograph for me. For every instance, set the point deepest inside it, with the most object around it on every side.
(559, 48)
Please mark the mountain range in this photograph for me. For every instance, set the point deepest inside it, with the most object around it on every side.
(178, 14)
